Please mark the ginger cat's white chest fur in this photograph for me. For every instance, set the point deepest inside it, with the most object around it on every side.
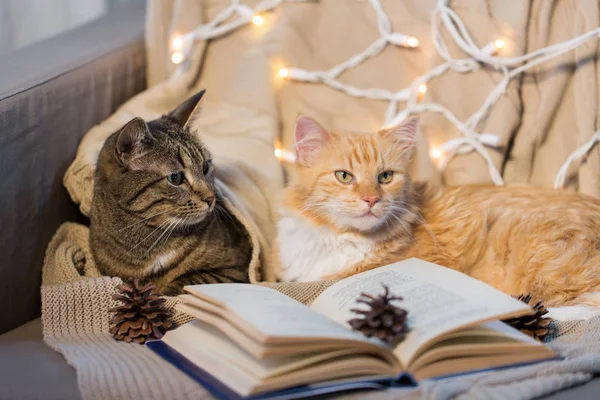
(309, 253)
(532, 240)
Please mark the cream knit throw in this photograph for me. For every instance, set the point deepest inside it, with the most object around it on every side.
(76, 299)
(75, 304)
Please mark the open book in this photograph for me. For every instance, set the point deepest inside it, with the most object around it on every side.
(252, 341)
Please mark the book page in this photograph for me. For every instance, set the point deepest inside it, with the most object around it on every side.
(207, 348)
(272, 313)
(438, 300)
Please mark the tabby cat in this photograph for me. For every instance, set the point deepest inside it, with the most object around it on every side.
(351, 206)
(156, 213)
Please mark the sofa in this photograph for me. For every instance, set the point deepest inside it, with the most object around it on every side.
(52, 93)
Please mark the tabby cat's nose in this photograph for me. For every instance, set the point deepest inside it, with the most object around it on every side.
(209, 200)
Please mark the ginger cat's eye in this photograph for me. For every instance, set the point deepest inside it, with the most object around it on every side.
(343, 176)
(385, 177)
(176, 178)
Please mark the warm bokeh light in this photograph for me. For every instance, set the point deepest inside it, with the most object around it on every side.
(499, 44)
(436, 153)
(283, 72)
(284, 155)
(412, 41)
(258, 20)
(177, 43)
(422, 88)
(177, 57)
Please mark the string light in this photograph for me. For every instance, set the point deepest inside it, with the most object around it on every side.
(435, 153)
(283, 72)
(258, 19)
(177, 57)
(177, 43)
(412, 41)
(237, 15)
(284, 155)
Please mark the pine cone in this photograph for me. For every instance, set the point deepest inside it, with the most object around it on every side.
(535, 325)
(383, 320)
(142, 315)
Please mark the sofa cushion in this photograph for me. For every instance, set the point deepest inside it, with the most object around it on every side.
(50, 94)
(31, 370)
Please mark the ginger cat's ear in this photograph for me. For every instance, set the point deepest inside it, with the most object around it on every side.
(309, 137)
(403, 134)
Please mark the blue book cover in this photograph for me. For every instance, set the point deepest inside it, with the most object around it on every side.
(222, 391)
(241, 337)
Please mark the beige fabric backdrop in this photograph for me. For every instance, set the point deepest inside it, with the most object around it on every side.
(546, 114)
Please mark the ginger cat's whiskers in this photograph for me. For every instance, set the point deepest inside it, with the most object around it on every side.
(420, 219)
(369, 213)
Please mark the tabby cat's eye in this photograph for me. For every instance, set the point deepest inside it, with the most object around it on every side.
(385, 177)
(343, 176)
(176, 178)
(206, 167)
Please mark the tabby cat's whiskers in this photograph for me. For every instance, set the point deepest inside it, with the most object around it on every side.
(144, 220)
(162, 224)
(162, 164)
(164, 232)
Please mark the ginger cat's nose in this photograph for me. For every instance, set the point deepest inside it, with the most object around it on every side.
(371, 199)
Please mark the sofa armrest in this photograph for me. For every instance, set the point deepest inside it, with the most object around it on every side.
(51, 93)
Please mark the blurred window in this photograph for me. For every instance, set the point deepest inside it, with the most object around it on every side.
(24, 22)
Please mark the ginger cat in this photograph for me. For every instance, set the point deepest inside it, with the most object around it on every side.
(351, 207)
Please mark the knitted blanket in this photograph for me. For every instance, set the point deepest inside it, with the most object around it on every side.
(76, 300)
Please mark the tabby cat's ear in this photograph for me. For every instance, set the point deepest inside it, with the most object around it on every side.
(184, 113)
(309, 137)
(130, 137)
(404, 134)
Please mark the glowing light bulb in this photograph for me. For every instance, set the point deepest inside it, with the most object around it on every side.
(284, 156)
(177, 43)
(499, 44)
(258, 20)
(436, 153)
(177, 57)
(422, 88)
(412, 41)
(284, 72)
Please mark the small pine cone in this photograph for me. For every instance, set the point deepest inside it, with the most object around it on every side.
(382, 319)
(141, 315)
(535, 324)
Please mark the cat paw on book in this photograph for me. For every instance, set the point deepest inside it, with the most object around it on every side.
(250, 341)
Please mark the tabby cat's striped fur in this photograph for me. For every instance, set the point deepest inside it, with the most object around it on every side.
(156, 213)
